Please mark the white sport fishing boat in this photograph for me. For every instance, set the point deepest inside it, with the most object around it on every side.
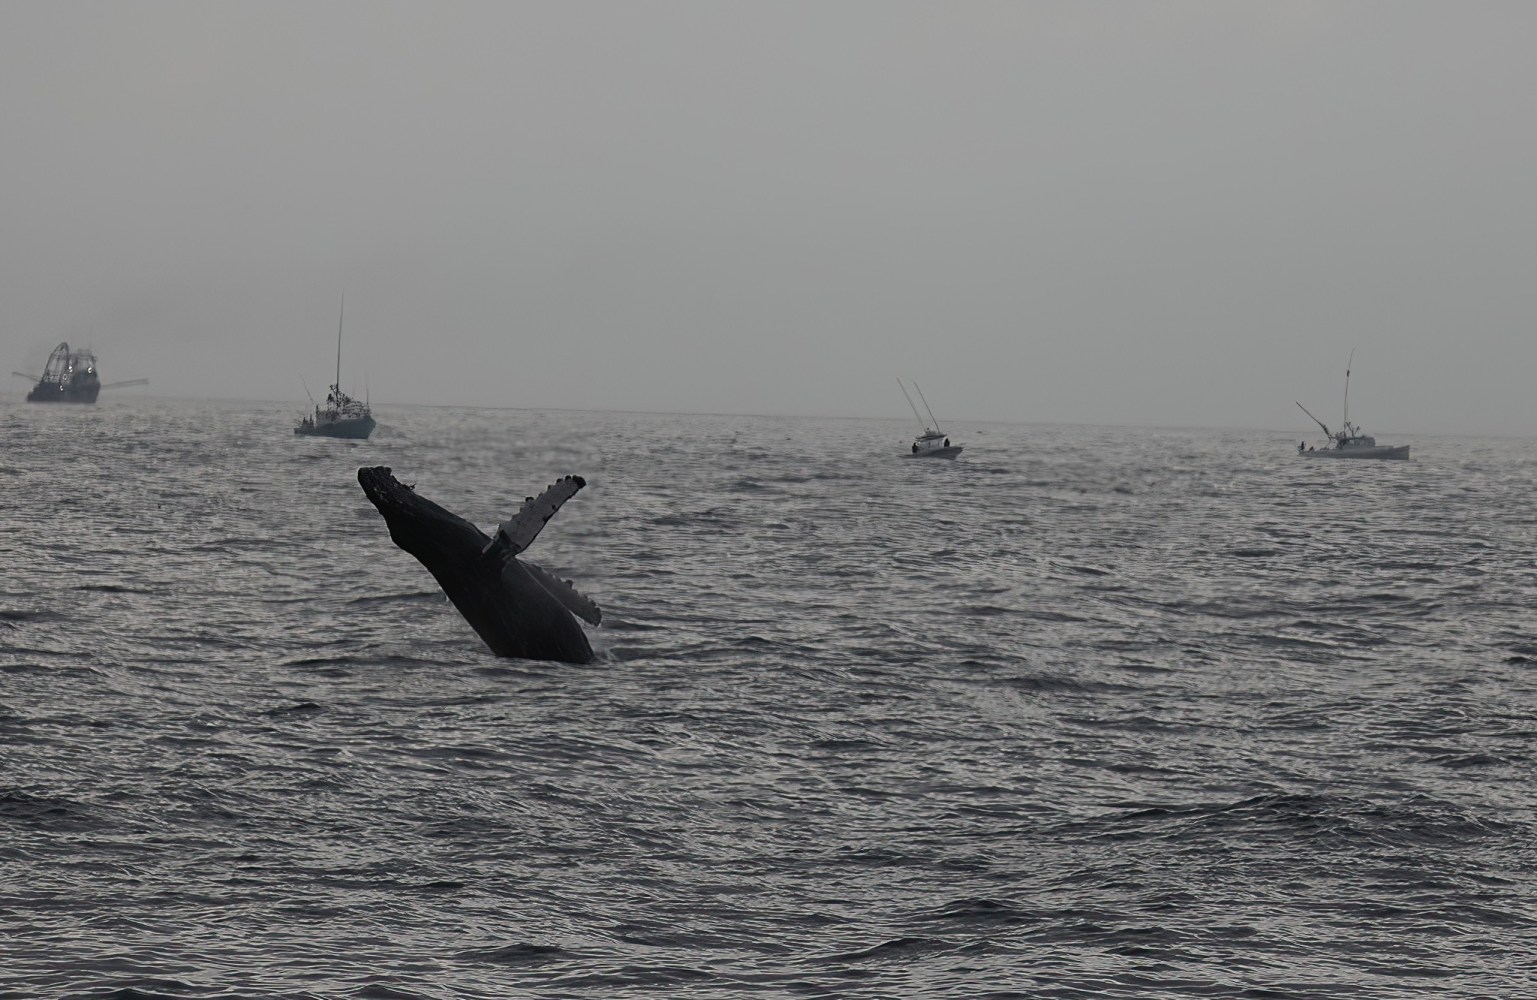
(1348, 442)
(932, 443)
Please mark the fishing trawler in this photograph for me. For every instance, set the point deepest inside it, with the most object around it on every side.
(341, 416)
(933, 442)
(70, 377)
(1349, 442)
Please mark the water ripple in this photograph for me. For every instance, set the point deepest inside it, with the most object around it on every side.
(1091, 712)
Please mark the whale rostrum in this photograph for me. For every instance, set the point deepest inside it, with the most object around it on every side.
(519, 609)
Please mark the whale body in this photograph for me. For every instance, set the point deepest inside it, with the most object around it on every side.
(519, 609)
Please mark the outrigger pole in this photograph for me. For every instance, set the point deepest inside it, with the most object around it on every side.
(929, 408)
(910, 400)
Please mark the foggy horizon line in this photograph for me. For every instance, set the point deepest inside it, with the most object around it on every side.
(7, 397)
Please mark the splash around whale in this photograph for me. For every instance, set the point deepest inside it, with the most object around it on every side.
(519, 609)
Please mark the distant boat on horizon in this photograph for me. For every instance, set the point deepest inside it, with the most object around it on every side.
(932, 443)
(342, 416)
(70, 377)
(1349, 442)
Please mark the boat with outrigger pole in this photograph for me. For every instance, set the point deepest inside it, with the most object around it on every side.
(342, 416)
(932, 443)
(71, 377)
(1349, 442)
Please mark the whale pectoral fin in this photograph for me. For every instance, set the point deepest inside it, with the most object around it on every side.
(565, 593)
(519, 531)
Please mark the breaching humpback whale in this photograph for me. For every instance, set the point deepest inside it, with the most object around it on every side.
(516, 607)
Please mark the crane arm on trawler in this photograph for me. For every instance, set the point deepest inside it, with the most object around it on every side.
(1320, 423)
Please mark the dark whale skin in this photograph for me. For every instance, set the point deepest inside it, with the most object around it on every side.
(505, 603)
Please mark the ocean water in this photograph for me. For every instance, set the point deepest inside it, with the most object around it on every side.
(1091, 712)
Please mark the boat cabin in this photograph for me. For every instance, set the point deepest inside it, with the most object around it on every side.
(930, 440)
(1351, 437)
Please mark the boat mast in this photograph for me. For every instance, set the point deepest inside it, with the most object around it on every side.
(339, 319)
(929, 408)
(1347, 388)
(910, 401)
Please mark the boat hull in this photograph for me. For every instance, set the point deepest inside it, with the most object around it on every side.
(356, 429)
(949, 452)
(48, 393)
(1382, 451)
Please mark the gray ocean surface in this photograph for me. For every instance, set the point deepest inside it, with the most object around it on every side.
(1091, 712)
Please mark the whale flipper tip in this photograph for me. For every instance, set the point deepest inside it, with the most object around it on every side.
(518, 532)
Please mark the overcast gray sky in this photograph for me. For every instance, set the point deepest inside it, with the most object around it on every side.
(1148, 213)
